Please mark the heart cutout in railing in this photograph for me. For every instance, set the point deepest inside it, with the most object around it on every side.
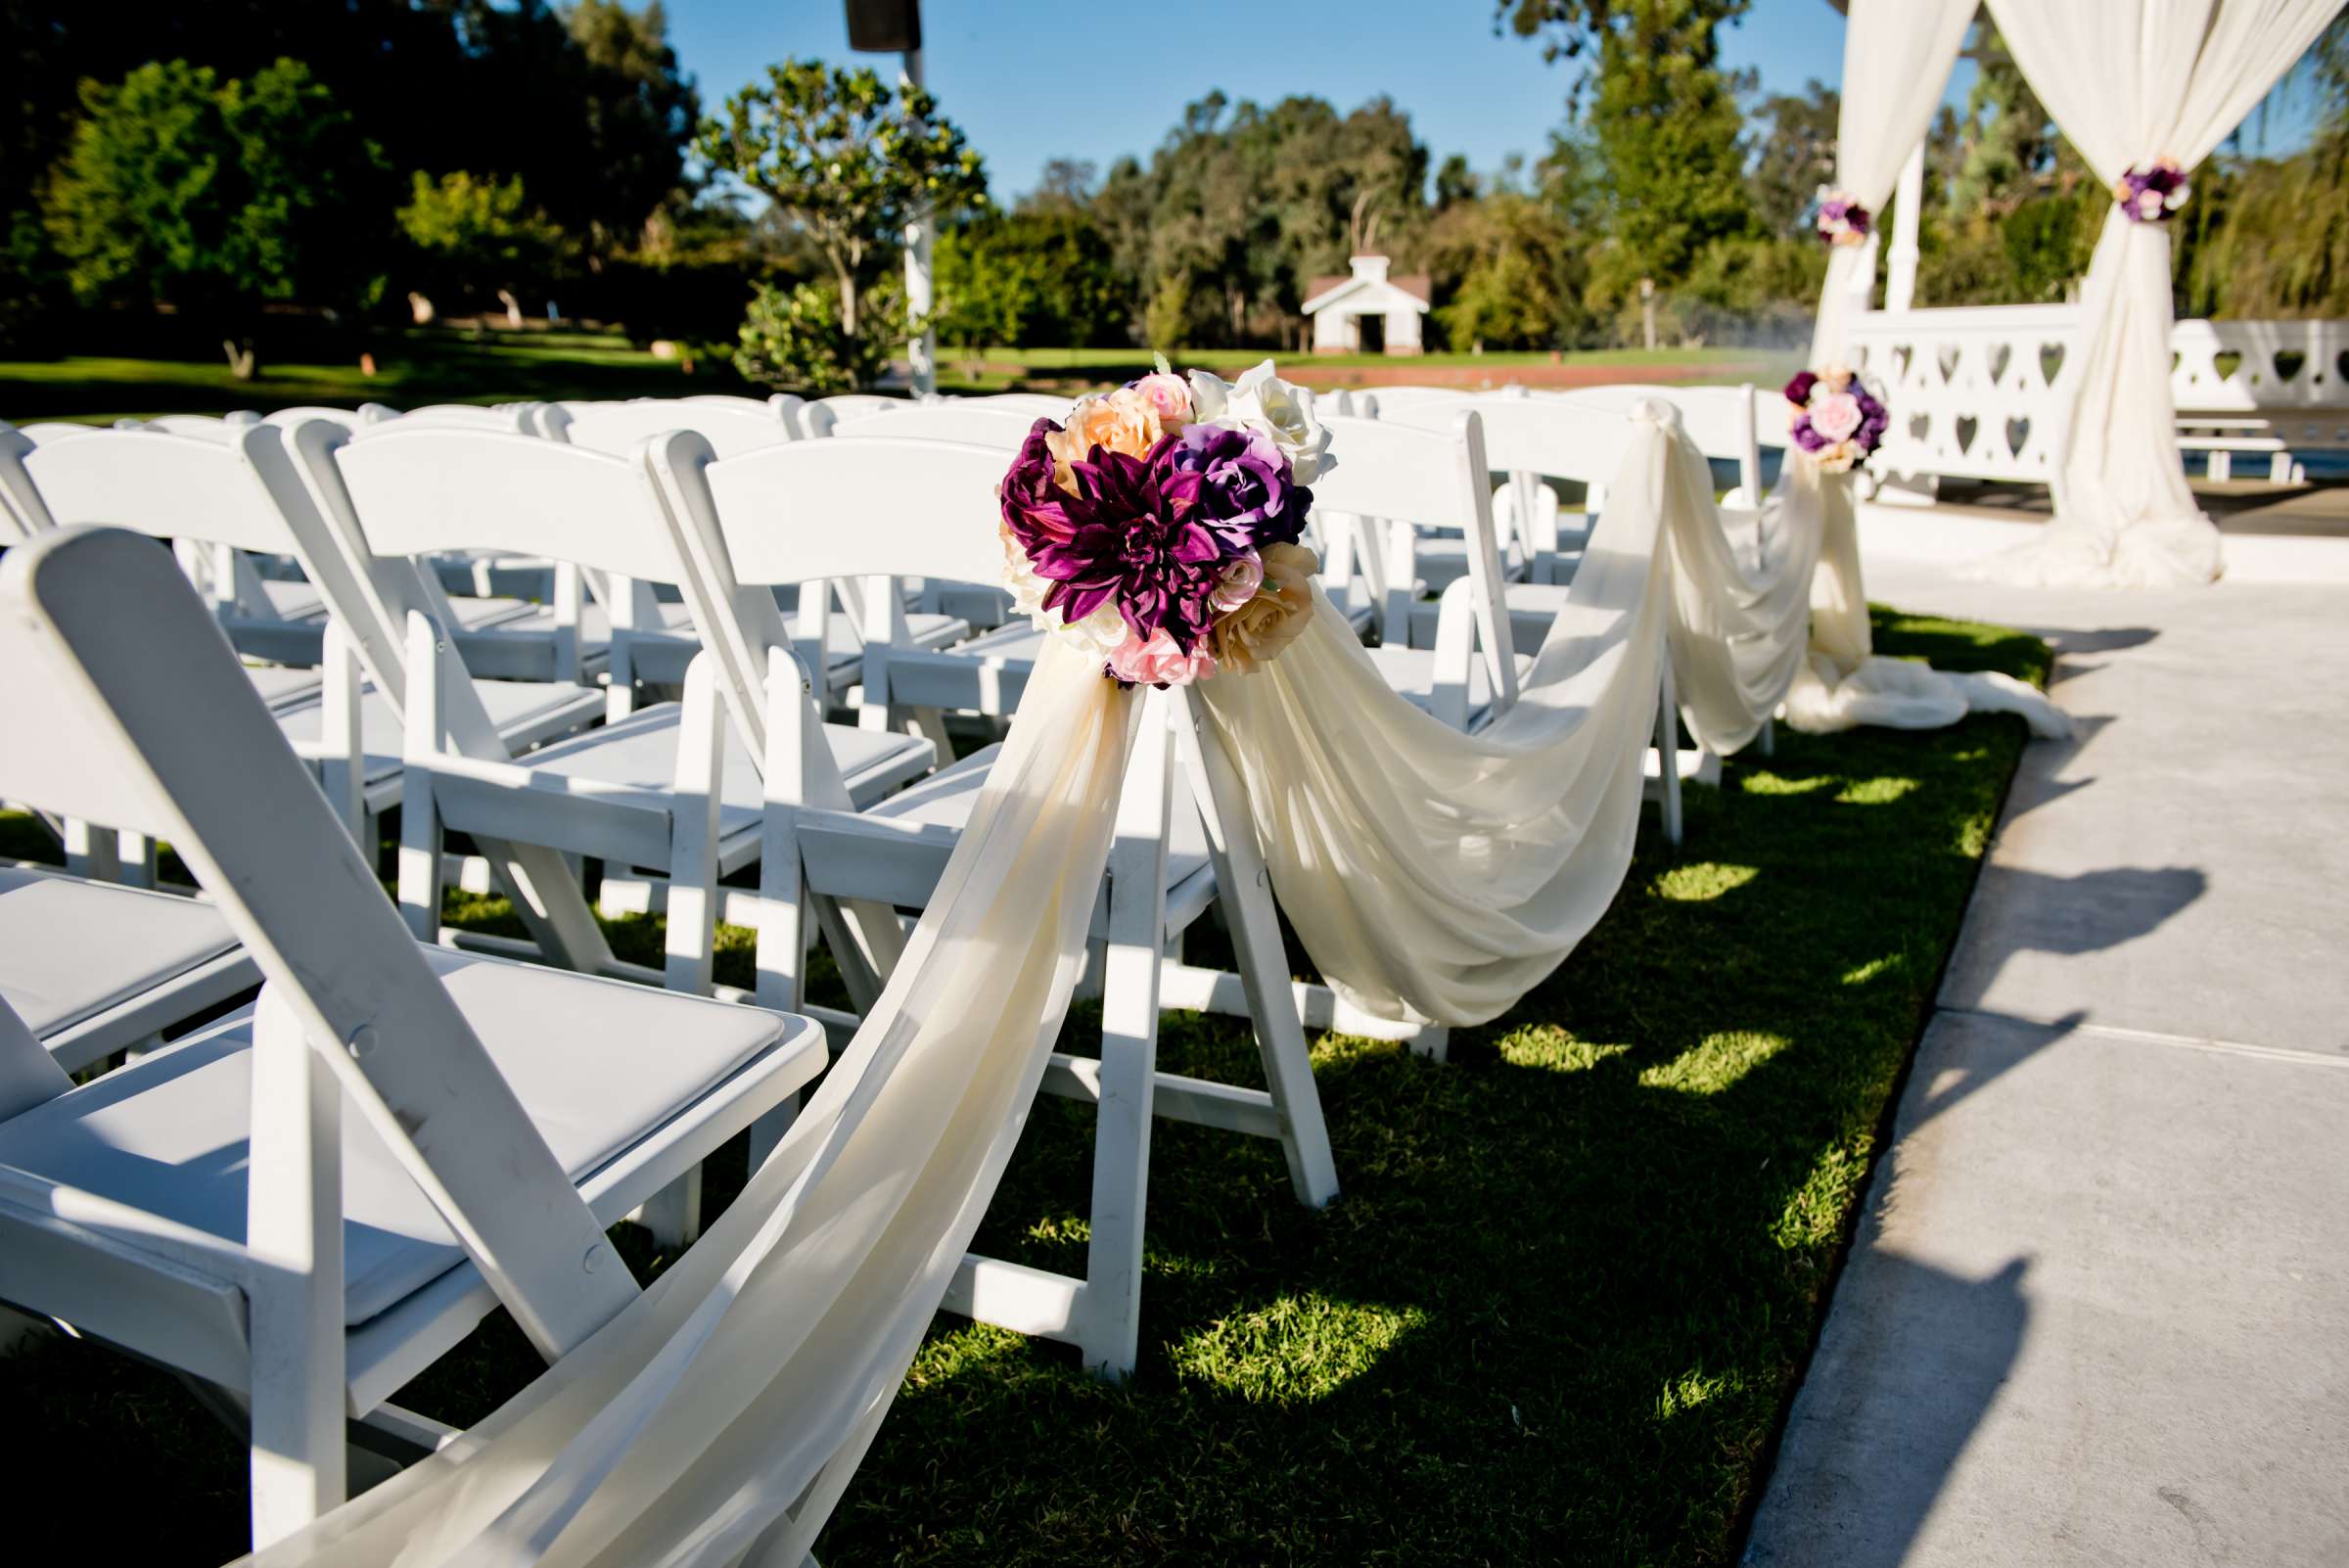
(1919, 423)
(2050, 360)
(2340, 362)
(2018, 431)
(2226, 362)
(2288, 363)
(1900, 357)
(1967, 424)
(1947, 356)
(1998, 360)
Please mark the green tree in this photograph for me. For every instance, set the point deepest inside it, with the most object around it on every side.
(475, 235)
(850, 161)
(639, 112)
(1035, 278)
(794, 338)
(1663, 119)
(217, 198)
(1793, 153)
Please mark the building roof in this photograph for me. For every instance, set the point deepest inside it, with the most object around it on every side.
(1326, 290)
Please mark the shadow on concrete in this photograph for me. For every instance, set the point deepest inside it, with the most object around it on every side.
(2017, 911)
(1913, 1360)
(1950, 1085)
(2070, 644)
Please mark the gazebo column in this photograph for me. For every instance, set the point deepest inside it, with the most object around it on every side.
(1908, 198)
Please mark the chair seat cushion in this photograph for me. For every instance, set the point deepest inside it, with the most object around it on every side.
(1437, 563)
(946, 800)
(640, 753)
(70, 948)
(524, 713)
(1533, 606)
(598, 1064)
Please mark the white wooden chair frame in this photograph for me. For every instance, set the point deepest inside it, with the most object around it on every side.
(141, 716)
(758, 521)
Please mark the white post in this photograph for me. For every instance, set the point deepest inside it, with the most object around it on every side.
(923, 349)
(1900, 281)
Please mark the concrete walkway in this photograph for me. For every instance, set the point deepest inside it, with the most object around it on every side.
(2098, 1310)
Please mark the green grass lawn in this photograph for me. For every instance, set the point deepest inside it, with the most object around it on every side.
(444, 366)
(1554, 1317)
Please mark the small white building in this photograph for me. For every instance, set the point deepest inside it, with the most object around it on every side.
(1367, 313)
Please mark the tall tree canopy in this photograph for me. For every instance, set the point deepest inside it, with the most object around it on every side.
(215, 197)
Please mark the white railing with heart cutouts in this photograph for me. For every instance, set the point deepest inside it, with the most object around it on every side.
(1973, 391)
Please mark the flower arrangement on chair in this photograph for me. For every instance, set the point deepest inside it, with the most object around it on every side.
(1841, 220)
(1836, 418)
(1157, 525)
(2153, 194)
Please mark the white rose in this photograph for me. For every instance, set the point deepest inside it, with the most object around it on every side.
(1271, 404)
(1210, 394)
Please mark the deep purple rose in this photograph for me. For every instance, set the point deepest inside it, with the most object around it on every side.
(1798, 390)
(1247, 496)
(1130, 534)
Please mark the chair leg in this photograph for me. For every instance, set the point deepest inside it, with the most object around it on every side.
(1769, 737)
(1244, 890)
(1668, 754)
(420, 869)
(673, 1215)
(1110, 1336)
(692, 932)
(294, 1235)
(92, 852)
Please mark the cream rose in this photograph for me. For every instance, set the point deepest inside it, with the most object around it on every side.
(1253, 635)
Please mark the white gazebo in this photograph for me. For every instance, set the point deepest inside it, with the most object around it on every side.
(1367, 311)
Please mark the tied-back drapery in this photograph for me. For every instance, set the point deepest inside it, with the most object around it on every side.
(1432, 875)
(1896, 56)
(2129, 84)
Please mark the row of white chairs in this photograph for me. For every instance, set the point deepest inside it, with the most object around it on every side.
(848, 825)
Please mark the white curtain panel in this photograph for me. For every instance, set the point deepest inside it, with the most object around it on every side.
(1897, 57)
(2129, 81)
(1432, 875)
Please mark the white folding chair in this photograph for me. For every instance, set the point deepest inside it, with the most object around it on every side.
(646, 791)
(305, 1205)
(1553, 438)
(652, 637)
(768, 518)
(207, 492)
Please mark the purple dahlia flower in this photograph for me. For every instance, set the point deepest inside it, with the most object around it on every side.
(1131, 534)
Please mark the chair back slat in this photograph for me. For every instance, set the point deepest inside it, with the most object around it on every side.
(973, 424)
(1536, 435)
(97, 629)
(1389, 469)
(869, 507)
(618, 428)
(418, 491)
(159, 483)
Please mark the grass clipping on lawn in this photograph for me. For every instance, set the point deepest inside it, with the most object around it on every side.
(1555, 1314)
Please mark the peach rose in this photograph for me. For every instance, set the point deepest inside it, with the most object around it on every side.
(1253, 635)
(1159, 662)
(1121, 422)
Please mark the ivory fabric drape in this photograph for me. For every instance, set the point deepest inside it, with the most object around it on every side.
(1897, 57)
(2128, 82)
(1432, 875)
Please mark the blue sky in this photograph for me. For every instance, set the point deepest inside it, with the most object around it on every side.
(1029, 81)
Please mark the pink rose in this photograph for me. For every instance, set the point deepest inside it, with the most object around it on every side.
(1835, 416)
(1158, 661)
(1167, 396)
(1241, 582)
